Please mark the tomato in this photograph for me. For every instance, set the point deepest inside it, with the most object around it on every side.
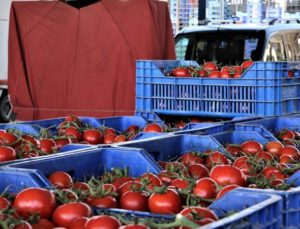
(246, 64)
(209, 66)
(287, 135)
(287, 159)
(225, 74)
(47, 145)
(134, 226)
(190, 158)
(102, 202)
(44, 224)
(78, 223)
(274, 148)
(93, 137)
(74, 133)
(234, 150)
(269, 170)
(4, 203)
(129, 186)
(181, 72)
(134, 200)
(60, 142)
(29, 154)
(8, 138)
(179, 183)
(35, 201)
(132, 129)
(119, 181)
(206, 188)
(153, 127)
(23, 225)
(291, 151)
(251, 147)
(103, 222)
(72, 118)
(150, 178)
(202, 73)
(66, 213)
(225, 175)
(167, 176)
(198, 171)
(216, 158)
(168, 202)
(60, 179)
(199, 215)
(244, 165)
(29, 139)
(80, 186)
(214, 74)
(226, 189)
(109, 138)
(120, 138)
(7, 153)
(263, 156)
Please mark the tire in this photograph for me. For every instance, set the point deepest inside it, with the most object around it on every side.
(5, 109)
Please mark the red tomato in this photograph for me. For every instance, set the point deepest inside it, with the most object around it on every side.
(179, 183)
(198, 171)
(225, 175)
(23, 225)
(7, 153)
(167, 176)
(43, 223)
(4, 203)
(60, 179)
(121, 180)
(120, 138)
(92, 136)
(287, 135)
(214, 74)
(60, 142)
(35, 201)
(80, 186)
(47, 145)
(102, 202)
(291, 151)
(226, 189)
(109, 131)
(153, 127)
(150, 178)
(244, 165)
(202, 73)
(165, 203)
(134, 226)
(191, 158)
(234, 150)
(29, 139)
(274, 148)
(74, 133)
(267, 171)
(264, 156)
(134, 200)
(132, 129)
(78, 223)
(181, 72)
(225, 74)
(287, 159)
(103, 222)
(8, 138)
(209, 66)
(198, 215)
(206, 188)
(66, 213)
(246, 64)
(109, 138)
(251, 147)
(72, 118)
(216, 158)
(129, 186)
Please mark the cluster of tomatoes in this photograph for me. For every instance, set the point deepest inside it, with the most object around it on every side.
(289, 137)
(15, 144)
(211, 70)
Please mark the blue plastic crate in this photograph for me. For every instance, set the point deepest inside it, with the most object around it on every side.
(290, 203)
(269, 127)
(252, 210)
(263, 90)
(81, 165)
(171, 147)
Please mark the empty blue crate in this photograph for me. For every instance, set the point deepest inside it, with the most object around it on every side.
(270, 127)
(172, 147)
(81, 165)
(263, 90)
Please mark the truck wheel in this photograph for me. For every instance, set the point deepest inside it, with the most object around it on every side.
(5, 109)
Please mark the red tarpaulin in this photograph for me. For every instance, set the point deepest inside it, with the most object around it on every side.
(64, 60)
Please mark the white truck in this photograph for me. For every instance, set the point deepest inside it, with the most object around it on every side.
(5, 107)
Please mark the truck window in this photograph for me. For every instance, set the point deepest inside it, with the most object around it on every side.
(275, 49)
(223, 46)
(292, 46)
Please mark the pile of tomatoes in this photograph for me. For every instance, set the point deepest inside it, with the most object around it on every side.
(211, 70)
(15, 144)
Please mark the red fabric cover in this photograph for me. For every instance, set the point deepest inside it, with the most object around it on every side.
(64, 60)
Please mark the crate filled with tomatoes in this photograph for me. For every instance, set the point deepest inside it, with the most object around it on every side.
(124, 186)
(174, 87)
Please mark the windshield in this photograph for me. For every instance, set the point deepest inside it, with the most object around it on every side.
(223, 46)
